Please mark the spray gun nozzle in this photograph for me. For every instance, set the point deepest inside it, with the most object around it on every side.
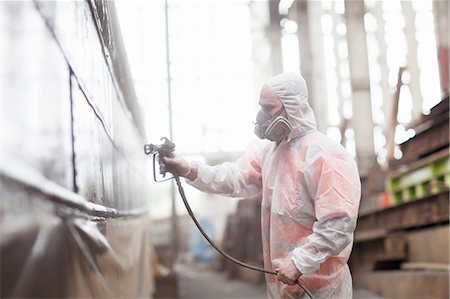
(164, 149)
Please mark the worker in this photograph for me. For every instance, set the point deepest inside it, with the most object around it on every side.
(310, 191)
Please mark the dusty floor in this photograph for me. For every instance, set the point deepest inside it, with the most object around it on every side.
(203, 283)
(196, 282)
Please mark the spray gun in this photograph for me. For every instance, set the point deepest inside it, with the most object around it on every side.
(166, 149)
(159, 151)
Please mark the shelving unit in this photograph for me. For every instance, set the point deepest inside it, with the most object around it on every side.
(401, 245)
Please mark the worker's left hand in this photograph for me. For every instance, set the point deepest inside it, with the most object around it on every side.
(287, 272)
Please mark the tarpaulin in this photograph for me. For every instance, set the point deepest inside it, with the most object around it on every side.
(73, 177)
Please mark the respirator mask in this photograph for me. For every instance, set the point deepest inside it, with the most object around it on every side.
(274, 128)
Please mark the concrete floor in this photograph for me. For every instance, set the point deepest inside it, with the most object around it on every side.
(200, 282)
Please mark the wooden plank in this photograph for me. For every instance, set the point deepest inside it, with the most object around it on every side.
(420, 163)
(373, 252)
(394, 247)
(429, 245)
(442, 108)
(432, 133)
(404, 284)
(425, 266)
(426, 142)
(429, 210)
(369, 235)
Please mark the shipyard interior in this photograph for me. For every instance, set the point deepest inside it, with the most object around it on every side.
(107, 105)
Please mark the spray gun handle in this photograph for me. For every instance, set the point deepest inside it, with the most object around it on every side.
(164, 149)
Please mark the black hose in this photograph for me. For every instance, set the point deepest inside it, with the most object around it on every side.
(226, 255)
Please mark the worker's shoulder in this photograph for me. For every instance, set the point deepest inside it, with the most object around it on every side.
(318, 144)
(257, 146)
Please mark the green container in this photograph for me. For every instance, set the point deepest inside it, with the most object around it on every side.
(421, 181)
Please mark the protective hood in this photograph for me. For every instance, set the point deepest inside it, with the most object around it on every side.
(293, 93)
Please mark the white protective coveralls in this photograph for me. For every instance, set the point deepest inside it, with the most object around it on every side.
(310, 197)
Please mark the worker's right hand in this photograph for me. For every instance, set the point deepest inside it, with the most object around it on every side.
(176, 164)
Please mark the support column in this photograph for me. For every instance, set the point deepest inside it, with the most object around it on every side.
(274, 34)
(361, 121)
(299, 13)
(262, 65)
(174, 218)
(307, 15)
(338, 62)
(441, 9)
(317, 87)
(412, 67)
(388, 97)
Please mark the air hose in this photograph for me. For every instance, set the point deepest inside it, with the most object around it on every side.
(166, 149)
